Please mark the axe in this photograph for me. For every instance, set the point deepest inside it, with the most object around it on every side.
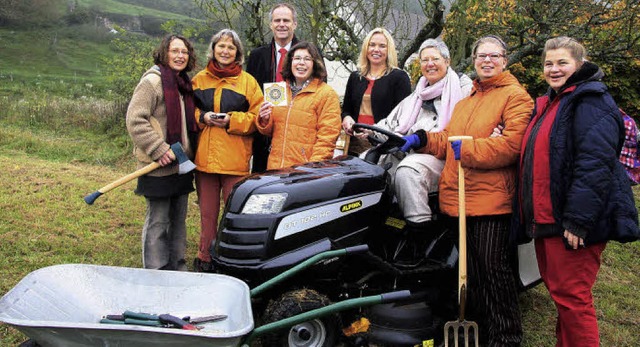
(185, 166)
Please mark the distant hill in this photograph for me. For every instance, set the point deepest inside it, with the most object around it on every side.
(139, 15)
(168, 9)
(52, 44)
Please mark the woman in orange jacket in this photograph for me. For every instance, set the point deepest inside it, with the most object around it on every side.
(227, 100)
(306, 129)
(497, 99)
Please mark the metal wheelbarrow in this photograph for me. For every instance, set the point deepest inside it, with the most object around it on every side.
(62, 305)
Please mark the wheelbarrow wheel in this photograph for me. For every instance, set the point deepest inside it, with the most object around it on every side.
(320, 332)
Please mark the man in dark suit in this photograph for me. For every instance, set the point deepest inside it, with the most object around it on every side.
(264, 63)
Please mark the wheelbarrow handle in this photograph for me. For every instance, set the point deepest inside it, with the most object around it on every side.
(304, 265)
(357, 249)
(395, 296)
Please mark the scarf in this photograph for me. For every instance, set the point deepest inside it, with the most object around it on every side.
(233, 69)
(448, 89)
(295, 89)
(173, 85)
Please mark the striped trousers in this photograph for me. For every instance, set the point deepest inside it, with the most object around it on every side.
(493, 293)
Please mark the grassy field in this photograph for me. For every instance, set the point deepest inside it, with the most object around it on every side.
(62, 137)
(44, 221)
(57, 63)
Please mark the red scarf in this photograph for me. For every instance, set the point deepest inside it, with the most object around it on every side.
(233, 69)
(173, 85)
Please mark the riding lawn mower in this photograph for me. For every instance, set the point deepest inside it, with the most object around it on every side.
(277, 219)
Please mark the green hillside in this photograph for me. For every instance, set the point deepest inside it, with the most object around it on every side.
(65, 52)
(167, 9)
(50, 60)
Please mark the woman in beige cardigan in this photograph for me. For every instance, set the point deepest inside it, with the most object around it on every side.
(161, 113)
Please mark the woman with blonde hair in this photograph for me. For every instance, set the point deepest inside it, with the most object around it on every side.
(375, 88)
(573, 196)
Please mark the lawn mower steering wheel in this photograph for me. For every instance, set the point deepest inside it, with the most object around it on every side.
(393, 143)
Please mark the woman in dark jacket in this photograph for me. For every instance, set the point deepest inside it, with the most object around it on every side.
(375, 88)
(573, 193)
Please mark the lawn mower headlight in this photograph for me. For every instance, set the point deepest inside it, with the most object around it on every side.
(264, 203)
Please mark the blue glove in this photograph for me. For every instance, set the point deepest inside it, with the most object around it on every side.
(456, 145)
(411, 141)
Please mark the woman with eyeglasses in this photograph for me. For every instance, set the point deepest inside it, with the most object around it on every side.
(375, 88)
(306, 129)
(573, 195)
(227, 100)
(160, 114)
(490, 172)
(415, 175)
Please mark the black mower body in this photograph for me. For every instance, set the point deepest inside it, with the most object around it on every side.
(329, 205)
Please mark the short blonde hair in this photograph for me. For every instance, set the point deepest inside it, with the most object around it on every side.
(392, 55)
(577, 50)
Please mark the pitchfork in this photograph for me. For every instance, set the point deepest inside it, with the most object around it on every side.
(461, 323)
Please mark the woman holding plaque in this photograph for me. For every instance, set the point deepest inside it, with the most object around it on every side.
(227, 100)
(306, 126)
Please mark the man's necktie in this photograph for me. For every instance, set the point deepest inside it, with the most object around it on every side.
(283, 52)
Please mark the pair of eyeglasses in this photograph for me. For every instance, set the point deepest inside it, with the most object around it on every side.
(178, 52)
(298, 59)
(492, 56)
(427, 60)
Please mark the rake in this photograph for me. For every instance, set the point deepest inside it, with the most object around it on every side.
(461, 324)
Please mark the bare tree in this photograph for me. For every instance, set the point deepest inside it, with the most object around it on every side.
(337, 27)
(608, 27)
(346, 23)
(246, 17)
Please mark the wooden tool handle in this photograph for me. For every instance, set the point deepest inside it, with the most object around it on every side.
(462, 226)
(91, 198)
(459, 137)
(117, 183)
(462, 220)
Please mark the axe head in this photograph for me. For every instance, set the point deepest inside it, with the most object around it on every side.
(184, 164)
